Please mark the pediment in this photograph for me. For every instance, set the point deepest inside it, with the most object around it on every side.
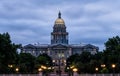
(59, 46)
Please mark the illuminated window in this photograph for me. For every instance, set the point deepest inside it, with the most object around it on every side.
(53, 61)
(62, 55)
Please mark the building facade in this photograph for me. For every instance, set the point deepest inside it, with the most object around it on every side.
(59, 49)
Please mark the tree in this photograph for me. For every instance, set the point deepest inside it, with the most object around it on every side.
(8, 52)
(73, 59)
(44, 59)
(85, 57)
(113, 45)
(26, 63)
(112, 52)
(80, 61)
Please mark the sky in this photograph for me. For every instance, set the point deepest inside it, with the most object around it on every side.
(87, 21)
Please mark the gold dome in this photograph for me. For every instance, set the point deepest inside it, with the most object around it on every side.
(59, 20)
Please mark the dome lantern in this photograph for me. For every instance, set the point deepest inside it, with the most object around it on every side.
(59, 15)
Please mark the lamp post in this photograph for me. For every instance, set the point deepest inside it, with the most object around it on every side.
(17, 70)
(11, 68)
(75, 71)
(72, 69)
(68, 68)
(103, 65)
(40, 71)
(96, 69)
(44, 70)
(113, 66)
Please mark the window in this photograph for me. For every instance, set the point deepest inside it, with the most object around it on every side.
(33, 51)
(62, 55)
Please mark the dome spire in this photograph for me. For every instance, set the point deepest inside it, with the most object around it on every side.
(59, 14)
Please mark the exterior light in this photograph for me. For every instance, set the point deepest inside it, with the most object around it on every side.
(53, 61)
(39, 69)
(113, 66)
(43, 67)
(10, 66)
(17, 69)
(72, 67)
(64, 61)
(68, 68)
(103, 65)
(96, 69)
(75, 70)
(49, 68)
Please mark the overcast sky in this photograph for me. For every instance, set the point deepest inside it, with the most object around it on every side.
(87, 21)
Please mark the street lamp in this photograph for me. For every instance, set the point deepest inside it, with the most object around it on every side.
(75, 71)
(72, 67)
(96, 69)
(113, 66)
(10, 66)
(68, 68)
(103, 65)
(44, 69)
(49, 68)
(17, 70)
(39, 69)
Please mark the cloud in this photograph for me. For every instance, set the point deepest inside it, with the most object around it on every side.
(31, 21)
